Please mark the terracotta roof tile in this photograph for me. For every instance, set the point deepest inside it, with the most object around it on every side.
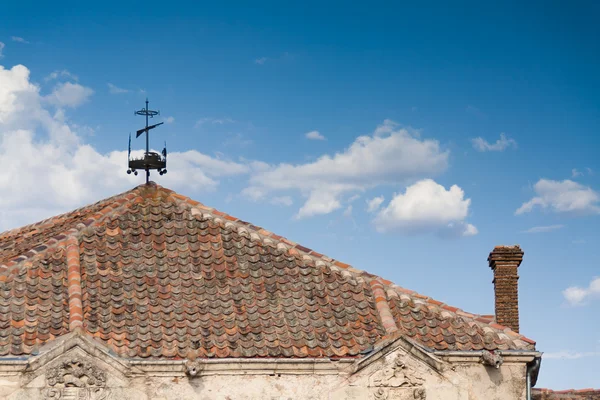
(162, 275)
(570, 394)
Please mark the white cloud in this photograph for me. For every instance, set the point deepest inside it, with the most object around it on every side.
(319, 202)
(282, 201)
(480, 144)
(348, 211)
(113, 89)
(41, 149)
(60, 74)
(2, 45)
(314, 135)
(69, 95)
(390, 155)
(374, 203)
(563, 196)
(577, 296)
(169, 120)
(475, 111)
(570, 355)
(19, 39)
(213, 121)
(261, 60)
(237, 139)
(425, 207)
(543, 229)
(575, 173)
(353, 198)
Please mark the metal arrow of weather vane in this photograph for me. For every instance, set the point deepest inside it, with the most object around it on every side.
(150, 160)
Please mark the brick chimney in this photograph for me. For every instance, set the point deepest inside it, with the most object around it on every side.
(504, 261)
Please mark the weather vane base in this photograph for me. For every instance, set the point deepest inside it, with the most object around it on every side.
(150, 160)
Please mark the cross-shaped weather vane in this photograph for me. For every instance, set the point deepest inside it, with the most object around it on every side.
(151, 160)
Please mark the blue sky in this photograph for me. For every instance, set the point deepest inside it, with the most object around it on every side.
(501, 101)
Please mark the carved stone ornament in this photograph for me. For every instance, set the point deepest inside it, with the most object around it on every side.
(380, 394)
(419, 394)
(397, 375)
(492, 359)
(192, 368)
(76, 380)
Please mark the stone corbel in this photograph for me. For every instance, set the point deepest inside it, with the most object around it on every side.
(491, 359)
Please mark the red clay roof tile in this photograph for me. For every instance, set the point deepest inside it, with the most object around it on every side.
(162, 275)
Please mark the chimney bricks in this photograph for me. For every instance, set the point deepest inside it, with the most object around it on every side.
(504, 261)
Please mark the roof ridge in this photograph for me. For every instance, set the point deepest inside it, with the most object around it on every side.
(259, 233)
(61, 237)
(46, 222)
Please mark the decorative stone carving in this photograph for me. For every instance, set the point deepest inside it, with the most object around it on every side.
(397, 375)
(193, 368)
(419, 394)
(491, 359)
(380, 394)
(76, 380)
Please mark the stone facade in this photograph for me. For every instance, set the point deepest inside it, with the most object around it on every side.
(77, 367)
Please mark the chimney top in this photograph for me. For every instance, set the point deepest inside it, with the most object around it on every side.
(505, 254)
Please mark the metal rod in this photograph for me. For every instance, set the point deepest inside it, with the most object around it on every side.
(147, 143)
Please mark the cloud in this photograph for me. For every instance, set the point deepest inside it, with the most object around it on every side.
(112, 89)
(575, 173)
(319, 203)
(570, 355)
(261, 60)
(69, 95)
(389, 156)
(578, 296)
(348, 211)
(480, 144)
(374, 203)
(169, 120)
(2, 46)
(353, 198)
(61, 74)
(475, 111)
(213, 121)
(282, 201)
(314, 135)
(427, 207)
(41, 149)
(563, 197)
(237, 140)
(18, 39)
(543, 229)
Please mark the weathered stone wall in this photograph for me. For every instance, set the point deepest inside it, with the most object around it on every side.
(242, 387)
(79, 368)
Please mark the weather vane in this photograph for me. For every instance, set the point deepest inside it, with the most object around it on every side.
(150, 160)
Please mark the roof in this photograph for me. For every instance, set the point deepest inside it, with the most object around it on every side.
(570, 394)
(152, 273)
